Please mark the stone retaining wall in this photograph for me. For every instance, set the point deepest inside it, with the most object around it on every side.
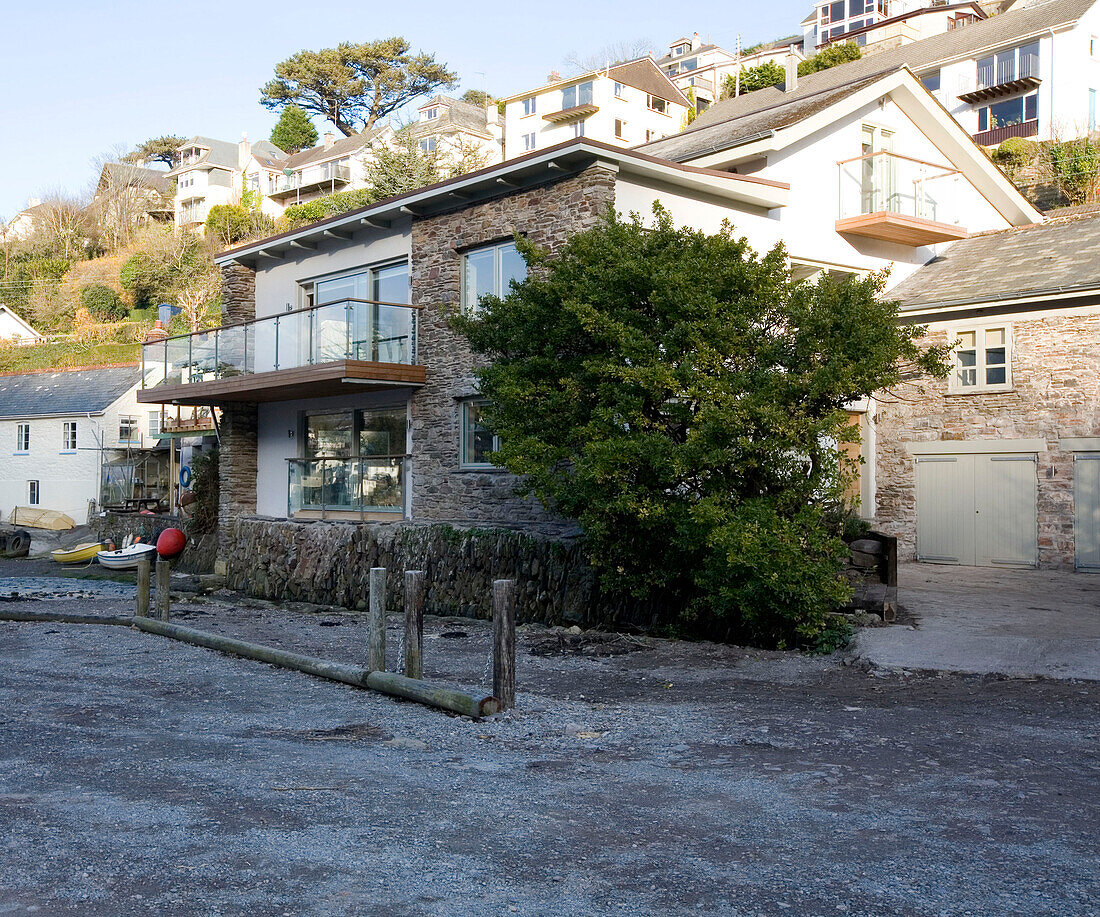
(198, 557)
(329, 563)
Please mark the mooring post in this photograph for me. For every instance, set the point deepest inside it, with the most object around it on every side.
(414, 623)
(143, 573)
(504, 642)
(163, 573)
(376, 658)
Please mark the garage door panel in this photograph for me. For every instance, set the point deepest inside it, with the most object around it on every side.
(944, 535)
(1086, 511)
(1005, 490)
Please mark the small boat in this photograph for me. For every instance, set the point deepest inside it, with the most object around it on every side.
(41, 518)
(82, 553)
(127, 558)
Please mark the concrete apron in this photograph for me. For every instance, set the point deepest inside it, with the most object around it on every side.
(992, 621)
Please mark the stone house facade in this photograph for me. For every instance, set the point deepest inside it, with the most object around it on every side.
(1020, 446)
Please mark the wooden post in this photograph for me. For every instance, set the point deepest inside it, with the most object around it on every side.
(504, 642)
(143, 571)
(376, 658)
(163, 572)
(414, 623)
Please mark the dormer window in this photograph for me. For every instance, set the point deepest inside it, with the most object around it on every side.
(680, 49)
(429, 114)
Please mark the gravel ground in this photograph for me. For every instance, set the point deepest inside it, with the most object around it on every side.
(139, 775)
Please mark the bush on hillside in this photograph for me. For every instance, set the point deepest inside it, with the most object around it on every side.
(1015, 153)
(103, 303)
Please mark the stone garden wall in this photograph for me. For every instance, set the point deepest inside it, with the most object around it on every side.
(198, 557)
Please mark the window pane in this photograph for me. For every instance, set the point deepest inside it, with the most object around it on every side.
(983, 119)
(1031, 108)
(480, 271)
(569, 97)
(967, 338)
(836, 11)
(391, 284)
(1029, 60)
(1006, 66)
(328, 434)
(995, 337)
(1005, 113)
(477, 440)
(985, 71)
(967, 367)
(932, 81)
(354, 286)
(382, 432)
(512, 267)
(584, 93)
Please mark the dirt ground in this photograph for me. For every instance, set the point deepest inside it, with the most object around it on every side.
(637, 776)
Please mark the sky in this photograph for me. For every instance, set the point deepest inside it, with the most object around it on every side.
(82, 79)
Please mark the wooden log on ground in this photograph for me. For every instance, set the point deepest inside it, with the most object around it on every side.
(164, 574)
(376, 656)
(414, 623)
(143, 575)
(504, 642)
(433, 694)
(63, 617)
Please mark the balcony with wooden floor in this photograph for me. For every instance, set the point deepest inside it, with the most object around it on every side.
(336, 348)
(892, 198)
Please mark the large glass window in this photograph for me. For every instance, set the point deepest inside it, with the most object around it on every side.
(1009, 112)
(931, 81)
(579, 94)
(490, 271)
(478, 442)
(1009, 65)
(329, 435)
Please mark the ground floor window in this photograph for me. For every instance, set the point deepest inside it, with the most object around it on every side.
(354, 462)
(32, 493)
(23, 437)
(478, 442)
(982, 360)
(128, 429)
(1009, 112)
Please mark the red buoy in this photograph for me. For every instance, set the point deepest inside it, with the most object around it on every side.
(171, 543)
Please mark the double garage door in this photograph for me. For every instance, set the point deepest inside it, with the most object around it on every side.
(977, 509)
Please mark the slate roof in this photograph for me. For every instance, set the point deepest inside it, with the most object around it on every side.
(221, 154)
(64, 392)
(126, 173)
(1060, 255)
(754, 112)
(345, 146)
(456, 114)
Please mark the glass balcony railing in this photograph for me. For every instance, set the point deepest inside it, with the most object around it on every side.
(351, 329)
(347, 485)
(886, 182)
(311, 177)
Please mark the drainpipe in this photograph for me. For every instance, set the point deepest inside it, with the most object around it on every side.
(1050, 111)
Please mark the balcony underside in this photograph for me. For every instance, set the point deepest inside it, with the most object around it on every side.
(341, 377)
(571, 114)
(1007, 88)
(313, 184)
(898, 227)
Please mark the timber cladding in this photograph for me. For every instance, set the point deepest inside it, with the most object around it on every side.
(547, 215)
(1055, 394)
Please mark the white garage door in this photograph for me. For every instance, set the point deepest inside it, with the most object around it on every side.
(977, 510)
(1086, 511)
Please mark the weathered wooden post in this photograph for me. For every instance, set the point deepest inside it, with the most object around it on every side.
(163, 573)
(143, 574)
(414, 623)
(376, 658)
(504, 642)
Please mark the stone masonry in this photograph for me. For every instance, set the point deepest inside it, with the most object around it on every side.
(1056, 394)
(236, 470)
(548, 215)
(238, 293)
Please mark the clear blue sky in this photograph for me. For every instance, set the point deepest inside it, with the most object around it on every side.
(81, 78)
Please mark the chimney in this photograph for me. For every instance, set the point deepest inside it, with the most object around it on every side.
(330, 139)
(553, 77)
(695, 41)
(790, 84)
(244, 152)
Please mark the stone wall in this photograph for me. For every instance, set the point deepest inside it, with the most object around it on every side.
(236, 469)
(329, 563)
(548, 215)
(238, 293)
(1056, 394)
(198, 557)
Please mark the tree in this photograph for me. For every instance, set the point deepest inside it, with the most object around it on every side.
(477, 97)
(761, 76)
(832, 56)
(294, 131)
(353, 85)
(401, 166)
(609, 55)
(692, 110)
(103, 302)
(159, 149)
(168, 263)
(681, 397)
(229, 223)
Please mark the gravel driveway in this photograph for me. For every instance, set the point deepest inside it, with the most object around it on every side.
(142, 776)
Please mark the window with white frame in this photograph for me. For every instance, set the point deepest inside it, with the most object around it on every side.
(620, 128)
(490, 271)
(23, 437)
(1009, 112)
(529, 141)
(33, 493)
(429, 114)
(478, 441)
(529, 106)
(620, 90)
(657, 105)
(581, 94)
(982, 359)
(1011, 64)
(128, 429)
(428, 144)
(154, 423)
(68, 436)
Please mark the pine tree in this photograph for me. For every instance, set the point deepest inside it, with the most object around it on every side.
(294, 131)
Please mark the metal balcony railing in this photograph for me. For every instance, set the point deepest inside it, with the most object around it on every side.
(349, 329)
(313, 176)
(374, 484)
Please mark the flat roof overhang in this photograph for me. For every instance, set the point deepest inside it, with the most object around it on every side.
(321, 380)
(571, 114)
(901, 228)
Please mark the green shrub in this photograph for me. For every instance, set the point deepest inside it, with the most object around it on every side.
(141, 278)
(229, 223)
(323, 207)
(103, 302)
(1014, 153)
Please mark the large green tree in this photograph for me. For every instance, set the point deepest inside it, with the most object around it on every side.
(353, 85)
(682, 398)
(158, 149)
(294, 131)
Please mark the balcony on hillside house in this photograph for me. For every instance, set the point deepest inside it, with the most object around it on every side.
(336, 348)
(894, 198)
(325, 177)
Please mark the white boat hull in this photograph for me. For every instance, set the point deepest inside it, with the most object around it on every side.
(127, 558)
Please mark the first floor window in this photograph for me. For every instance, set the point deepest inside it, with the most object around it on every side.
(478, 442)
(32, 493)
(490, 271)
(427, 144)
(982, 359)
(659, 105)
(619, 90)
(127, 429)
(23, 437)
(529, 106)
(529, 142)
(68, 436)
(620, 128)
(154, 423)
